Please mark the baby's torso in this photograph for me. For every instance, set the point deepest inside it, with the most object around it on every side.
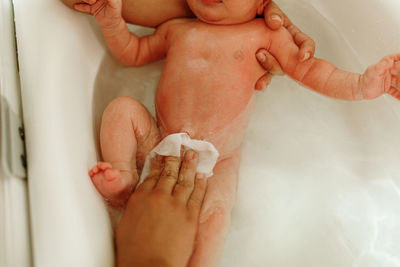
(208, 80)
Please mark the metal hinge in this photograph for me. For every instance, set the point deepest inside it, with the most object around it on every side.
(21, 131)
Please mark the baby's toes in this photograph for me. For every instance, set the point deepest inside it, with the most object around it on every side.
(117, 187)
(95, 170)
(102, 181)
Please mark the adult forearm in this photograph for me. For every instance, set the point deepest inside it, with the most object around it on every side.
(148, 12)
(153, 12)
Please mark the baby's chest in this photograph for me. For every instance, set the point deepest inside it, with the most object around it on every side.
(220, 48)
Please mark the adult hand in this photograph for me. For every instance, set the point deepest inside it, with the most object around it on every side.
(275, 19)
(159, 225)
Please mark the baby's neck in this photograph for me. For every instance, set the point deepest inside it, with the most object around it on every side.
(228, 23)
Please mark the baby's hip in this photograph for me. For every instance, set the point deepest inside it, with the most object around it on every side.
(226, 138)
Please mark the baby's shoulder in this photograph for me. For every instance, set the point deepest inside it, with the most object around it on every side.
(174, 24)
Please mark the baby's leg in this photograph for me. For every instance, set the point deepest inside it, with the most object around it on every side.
(128, 133)
(216, 213)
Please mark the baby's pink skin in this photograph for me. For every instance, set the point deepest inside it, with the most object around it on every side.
(206, 90)
(114, 184)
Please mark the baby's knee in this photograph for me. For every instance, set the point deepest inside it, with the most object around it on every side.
(124, 105)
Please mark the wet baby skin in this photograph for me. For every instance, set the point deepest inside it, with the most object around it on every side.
(207, 91)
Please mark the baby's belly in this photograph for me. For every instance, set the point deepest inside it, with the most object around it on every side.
(224, 132)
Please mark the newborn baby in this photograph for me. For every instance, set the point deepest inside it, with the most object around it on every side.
(207, 91)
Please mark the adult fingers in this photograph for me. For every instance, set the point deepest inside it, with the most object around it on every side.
(169, 174)
(197, 197)
(303, 41)
(157, 164)
(263, 81)
(307, 46)
(185, 184)
(274, 17)
(269, 62)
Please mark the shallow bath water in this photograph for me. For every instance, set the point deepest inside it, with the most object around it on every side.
(316, 187)
(319, 179)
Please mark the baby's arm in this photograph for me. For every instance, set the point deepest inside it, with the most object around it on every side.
(326, 79)
(127, 48)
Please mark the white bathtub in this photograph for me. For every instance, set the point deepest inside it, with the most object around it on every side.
(319, 179)
(14, 212)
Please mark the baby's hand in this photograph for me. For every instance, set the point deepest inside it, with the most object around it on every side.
(106, 12)
(383, 77)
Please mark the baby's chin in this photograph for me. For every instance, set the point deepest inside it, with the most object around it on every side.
(213, 22)
(219, 20)
(210, 18)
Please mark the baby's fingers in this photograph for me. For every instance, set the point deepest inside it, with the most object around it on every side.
(396, 69)
(396, 81)
(394, 92)
(391, 62)
(85, 8)
(381, 68)
(394, 57)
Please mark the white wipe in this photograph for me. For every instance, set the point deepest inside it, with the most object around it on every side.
(171, 146)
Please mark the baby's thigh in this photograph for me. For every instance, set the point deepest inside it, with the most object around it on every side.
(135, 123)
(215, 213)
(228, 139)
(221, 188)
(146, 131)
(147, 140)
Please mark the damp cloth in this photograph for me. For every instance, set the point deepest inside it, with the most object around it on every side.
(171, 146)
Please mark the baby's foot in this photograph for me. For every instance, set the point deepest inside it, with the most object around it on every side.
(114, 185)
